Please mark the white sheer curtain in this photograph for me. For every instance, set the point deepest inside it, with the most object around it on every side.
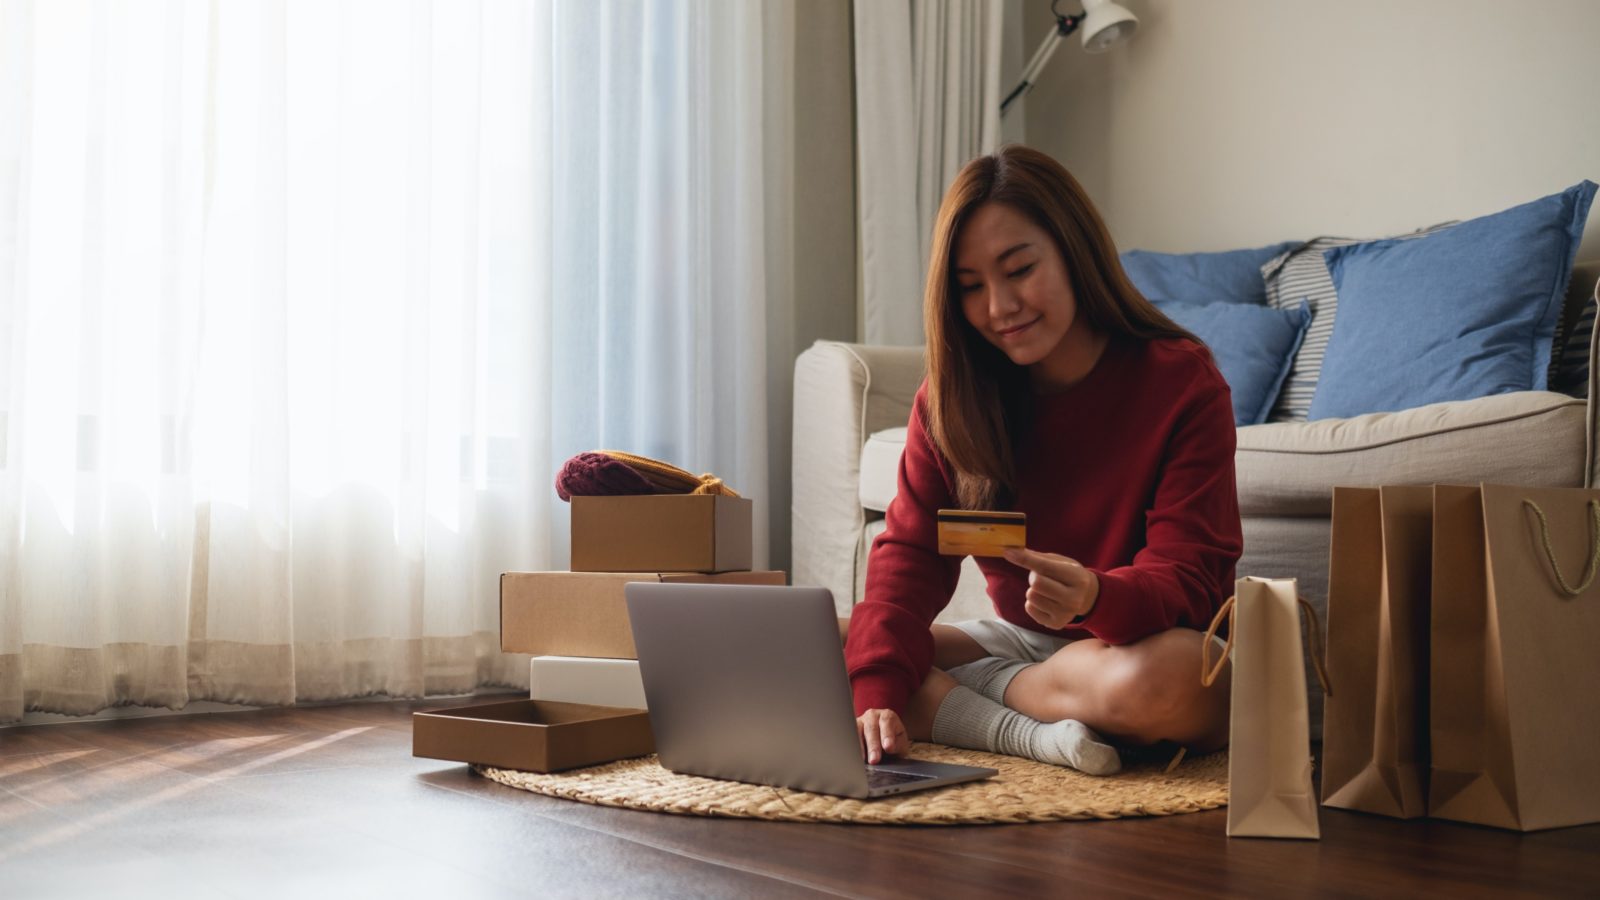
(302, 304)
(927, 101)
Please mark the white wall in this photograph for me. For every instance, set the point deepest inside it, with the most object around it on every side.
(1232, 123)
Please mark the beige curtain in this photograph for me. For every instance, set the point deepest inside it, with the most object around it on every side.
(928, 96)
(301, 306)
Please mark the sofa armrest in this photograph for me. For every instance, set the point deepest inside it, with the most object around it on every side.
(842, 393)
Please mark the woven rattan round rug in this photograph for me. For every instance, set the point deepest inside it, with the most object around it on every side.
(1024, 791)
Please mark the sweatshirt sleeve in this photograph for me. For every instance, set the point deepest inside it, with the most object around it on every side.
(1193, 536)
(890, 646)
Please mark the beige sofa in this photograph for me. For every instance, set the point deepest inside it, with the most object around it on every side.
(852, 401)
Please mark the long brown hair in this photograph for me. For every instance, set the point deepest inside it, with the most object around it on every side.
(978, 400)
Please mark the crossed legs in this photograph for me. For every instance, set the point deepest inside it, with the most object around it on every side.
(1136, 694)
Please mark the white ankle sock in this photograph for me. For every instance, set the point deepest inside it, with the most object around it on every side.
(968, 720)
(989, 676)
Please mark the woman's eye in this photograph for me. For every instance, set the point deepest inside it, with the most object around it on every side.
(969, 288)
(1022, 271)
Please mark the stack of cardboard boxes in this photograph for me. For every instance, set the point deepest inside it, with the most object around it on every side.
(586, 699)
(576, 623)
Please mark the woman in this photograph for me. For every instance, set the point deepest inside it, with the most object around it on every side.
(1054, 389)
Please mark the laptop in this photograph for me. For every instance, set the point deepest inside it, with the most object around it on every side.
(747, 683)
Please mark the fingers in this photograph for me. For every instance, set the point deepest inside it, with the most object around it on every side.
(889, 729)
(1047, 600)
(867, 726)
(1028, 559)
(881, 733)
(1050, 589)
(1044, 612)
(1053, 603)
(1051, 565)
(1059, 587)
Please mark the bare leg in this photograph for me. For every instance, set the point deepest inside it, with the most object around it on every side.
(925, 704)
(1139, 693)
(951, 647)
(954, 647)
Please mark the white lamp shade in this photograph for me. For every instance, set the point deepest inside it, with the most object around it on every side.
(1105, 23)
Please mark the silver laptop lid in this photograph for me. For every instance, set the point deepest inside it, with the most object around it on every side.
(747, 682)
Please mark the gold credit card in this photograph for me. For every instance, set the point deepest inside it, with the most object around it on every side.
(967, 532)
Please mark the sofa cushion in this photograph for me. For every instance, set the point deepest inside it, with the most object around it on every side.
(1231, 276)
(1252, 346)
(1301, 275)
(880, 467)
(1457, 315)
(1527, 437)
(1290, 468)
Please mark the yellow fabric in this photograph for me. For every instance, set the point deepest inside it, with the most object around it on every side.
(669, 478)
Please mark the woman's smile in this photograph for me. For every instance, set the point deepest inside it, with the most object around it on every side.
(1017, 331)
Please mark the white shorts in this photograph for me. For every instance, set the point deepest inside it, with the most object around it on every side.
(1000, 638)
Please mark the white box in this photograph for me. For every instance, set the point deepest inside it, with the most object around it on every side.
(582, 679)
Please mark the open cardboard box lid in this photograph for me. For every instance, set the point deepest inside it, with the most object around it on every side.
(532, 735)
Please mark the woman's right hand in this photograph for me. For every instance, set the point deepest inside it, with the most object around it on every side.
(882, 734)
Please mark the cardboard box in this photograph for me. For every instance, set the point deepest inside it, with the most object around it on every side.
(532, 735)
(661, 533)
(575, 679)
(584, 613)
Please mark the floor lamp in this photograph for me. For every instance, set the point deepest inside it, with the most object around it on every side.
(1103, 23)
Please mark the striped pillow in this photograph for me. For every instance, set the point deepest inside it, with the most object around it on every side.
(1569, 364)
(1301, 274)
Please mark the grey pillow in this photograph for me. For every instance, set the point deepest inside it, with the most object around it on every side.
(1301, 274)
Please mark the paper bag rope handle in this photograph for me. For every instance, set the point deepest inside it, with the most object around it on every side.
(1208, 673)
(1311, 628)
(1594, 547)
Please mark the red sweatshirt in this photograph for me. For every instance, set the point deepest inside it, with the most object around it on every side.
(1129, 471)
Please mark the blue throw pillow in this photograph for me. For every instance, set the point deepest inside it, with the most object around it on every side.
(1232, 276)
(1253, 347)
(1462, 313)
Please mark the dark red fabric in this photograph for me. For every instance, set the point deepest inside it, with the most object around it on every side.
(1129, 472)
(596, 474)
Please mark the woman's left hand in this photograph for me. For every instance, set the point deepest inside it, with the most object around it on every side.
(1059, 588)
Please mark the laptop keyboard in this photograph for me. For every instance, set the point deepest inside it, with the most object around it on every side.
(880, 778)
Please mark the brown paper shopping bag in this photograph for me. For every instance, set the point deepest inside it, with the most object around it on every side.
(1516, 656)
(1269, 735)
(1375, 732)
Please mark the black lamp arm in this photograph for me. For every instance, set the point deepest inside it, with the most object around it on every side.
(1065, 25)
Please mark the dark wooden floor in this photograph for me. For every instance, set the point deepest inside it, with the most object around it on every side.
(328, 802)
